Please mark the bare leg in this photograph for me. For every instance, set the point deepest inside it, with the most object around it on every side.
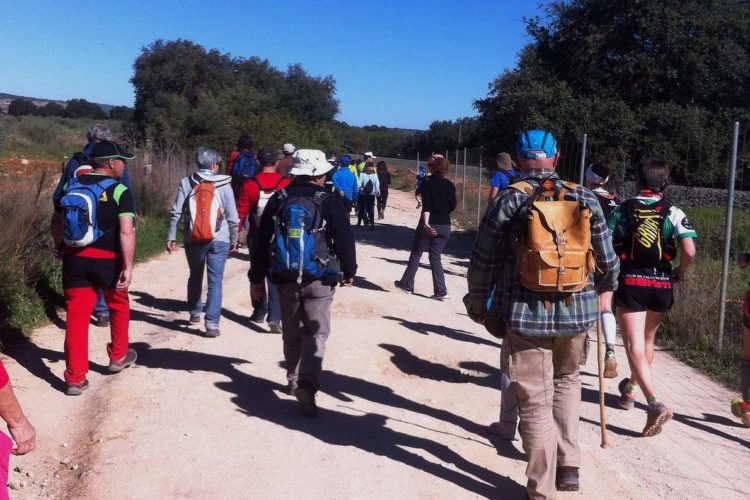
(633, 328)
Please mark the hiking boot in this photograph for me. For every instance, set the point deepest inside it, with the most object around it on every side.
(627, 398)
(102, 320)
(121, 364)
(291, 387)
(306, 398)
(195, 318)
(274, 327)
(440, 296)
(257, 317)
(504, 430)
(212, 333)
(397, 284)
(658, 415)
(741, 410)
(610, 365)
(76, 389)
(566, 479)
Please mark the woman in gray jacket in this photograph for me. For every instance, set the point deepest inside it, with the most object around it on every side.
(208, 239)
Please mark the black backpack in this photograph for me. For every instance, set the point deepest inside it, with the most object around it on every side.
(644, 243)
(368, 187)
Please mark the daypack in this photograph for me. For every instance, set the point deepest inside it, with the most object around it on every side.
(644, 243)
(299, 250)
(512, 178)
(263, 197)
(79, 205)
(608, 202)
(204, 209)
(554, 248)
(244, 167)
(368, 188)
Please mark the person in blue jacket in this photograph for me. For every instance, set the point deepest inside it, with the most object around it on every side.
(76, 166)
(345, 183)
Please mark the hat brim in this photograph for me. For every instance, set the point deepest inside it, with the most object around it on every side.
(317, 169)
(121, 156)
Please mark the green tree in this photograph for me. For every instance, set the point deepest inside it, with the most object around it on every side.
(123, 113)
(50, 109)
(81, 108)
(21, 107)
(642, 78)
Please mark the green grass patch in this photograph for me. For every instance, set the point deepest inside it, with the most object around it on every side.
(151, 236)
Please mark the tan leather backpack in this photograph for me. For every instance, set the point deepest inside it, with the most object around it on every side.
(554, 252)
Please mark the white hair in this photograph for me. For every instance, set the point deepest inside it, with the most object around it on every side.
(99, 132)
(205, 157)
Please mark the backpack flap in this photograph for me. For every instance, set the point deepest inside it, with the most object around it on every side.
(557, 253)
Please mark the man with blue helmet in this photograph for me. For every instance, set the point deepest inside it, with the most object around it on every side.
(345, 183)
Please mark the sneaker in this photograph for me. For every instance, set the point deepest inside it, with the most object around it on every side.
(741, 410)
(274, 327)
(120, 365)
(76, 389)
(658, 415)
(566, 479)
(306, 398)
(397, 284)
(441, 296)
(504, 430)
(627, 398)
(610, 365)
(212, 333)
(102, 320)
(195, 318)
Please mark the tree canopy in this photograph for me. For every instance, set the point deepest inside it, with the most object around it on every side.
(186, 95)
(642, 78)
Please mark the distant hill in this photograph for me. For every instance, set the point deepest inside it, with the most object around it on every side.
(39, 101)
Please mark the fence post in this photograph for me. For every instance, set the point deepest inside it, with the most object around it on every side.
(583, 159)
(728, 236)
(463, 185)
(479, 191)
(455, 178)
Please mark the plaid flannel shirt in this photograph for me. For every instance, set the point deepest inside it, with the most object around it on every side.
(493, 267)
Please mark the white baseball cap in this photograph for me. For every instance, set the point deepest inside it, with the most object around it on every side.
(369, 153)
(310, 162)
(288, 148)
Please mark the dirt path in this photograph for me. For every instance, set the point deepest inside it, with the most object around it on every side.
(409, 387)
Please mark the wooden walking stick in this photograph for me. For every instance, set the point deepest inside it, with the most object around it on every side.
(600, 360)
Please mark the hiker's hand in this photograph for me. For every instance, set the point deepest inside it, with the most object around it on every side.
(348, 282)
(171, 246)
(126, 276)
(233, 249)
(257, 292)
(742, 260)
(431, 231)
(24, 435)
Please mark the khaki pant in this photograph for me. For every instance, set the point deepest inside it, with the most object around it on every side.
(545, 371)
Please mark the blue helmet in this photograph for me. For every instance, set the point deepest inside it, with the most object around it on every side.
(536, 144)
(345, 161)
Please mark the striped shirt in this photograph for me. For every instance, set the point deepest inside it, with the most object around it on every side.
(493, 266)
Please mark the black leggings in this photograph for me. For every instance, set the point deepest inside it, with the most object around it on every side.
(366, 203)
(382, 200)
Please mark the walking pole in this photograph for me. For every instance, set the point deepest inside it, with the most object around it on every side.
(599, 359)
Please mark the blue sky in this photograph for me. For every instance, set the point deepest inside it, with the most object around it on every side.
(396, 63)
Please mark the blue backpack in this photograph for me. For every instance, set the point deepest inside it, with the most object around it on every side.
(244, 166)
(299, 250)
(79, 204)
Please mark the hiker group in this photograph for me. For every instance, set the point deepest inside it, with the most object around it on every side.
(551, 261)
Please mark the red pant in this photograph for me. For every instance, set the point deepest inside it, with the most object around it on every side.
(80, 304)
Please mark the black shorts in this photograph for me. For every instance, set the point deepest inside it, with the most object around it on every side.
(84, 272)
(645, 291)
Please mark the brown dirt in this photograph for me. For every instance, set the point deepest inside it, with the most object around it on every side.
(410, 386)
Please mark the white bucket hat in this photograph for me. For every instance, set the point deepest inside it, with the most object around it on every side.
(369, 153)
(288, 148)
(310, 162)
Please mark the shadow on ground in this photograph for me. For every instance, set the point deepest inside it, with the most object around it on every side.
(453, 333)
(261, 398)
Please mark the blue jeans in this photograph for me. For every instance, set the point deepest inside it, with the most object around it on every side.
(101, 305)
(201, 256)
(270, 304)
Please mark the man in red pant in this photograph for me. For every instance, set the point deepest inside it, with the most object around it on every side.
(93, 227)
